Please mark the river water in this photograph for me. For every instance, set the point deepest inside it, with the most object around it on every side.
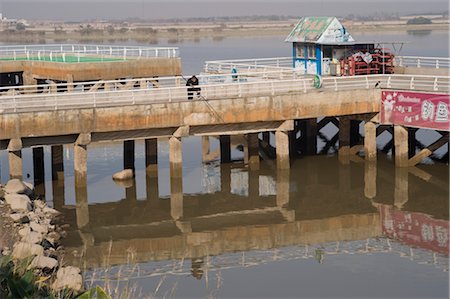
(322, 229)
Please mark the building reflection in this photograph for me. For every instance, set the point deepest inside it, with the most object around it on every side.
(317, 201)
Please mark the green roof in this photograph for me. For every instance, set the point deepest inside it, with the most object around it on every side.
(309, 29)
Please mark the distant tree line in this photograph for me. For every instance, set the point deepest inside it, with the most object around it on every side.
(419, 21)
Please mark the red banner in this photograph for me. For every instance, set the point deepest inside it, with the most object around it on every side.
(415, 109)
(415, 229)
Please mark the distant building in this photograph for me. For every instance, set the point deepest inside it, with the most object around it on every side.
(320, 43)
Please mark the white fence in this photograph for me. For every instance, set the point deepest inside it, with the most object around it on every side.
(427, 62)
(138, 94)
(64, 52)
(248, 65)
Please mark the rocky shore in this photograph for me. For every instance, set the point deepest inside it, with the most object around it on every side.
(31, 232)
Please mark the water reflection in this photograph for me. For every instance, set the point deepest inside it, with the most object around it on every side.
(319, 201)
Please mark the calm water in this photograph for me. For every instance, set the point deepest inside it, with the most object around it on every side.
(324, 229)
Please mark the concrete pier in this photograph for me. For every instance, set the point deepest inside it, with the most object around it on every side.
(15, 158)
(253, 151)
(282, 144)
(401, 146)
(370, 141)
(128, 154)
(175, 156)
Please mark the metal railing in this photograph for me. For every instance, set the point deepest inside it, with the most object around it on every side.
(75, 53)
(248, 65)
(427, 62)
(137, 93)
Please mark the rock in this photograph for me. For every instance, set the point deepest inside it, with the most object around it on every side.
(53, 237)
(24, 231)
(24, 220)
(51, 212)
(125, 174)
(16, 186)
(30, 187)
(33, 237)
(125, 183)
(68, 277)
(43, 262)
(47, 244)
(23, 250)
(18, 202)
(16, 217)
(40, 228)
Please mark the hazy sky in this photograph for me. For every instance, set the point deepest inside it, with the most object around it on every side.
(154, 9)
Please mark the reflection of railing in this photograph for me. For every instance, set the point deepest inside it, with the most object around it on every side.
(260, 257)
(80, 53)
(143, 91)
(427, 62)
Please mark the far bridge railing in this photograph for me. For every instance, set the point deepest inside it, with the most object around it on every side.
(139, 94)
(426, 62)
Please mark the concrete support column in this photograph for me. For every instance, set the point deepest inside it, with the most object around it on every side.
(253, 184)
(401, 187)
(225, 179)
(370, 141)
(151, 155)
(176, 197)
(344, 136)
(128, 154)
(283, 186)
(175, 156)
(282, 145)
(39, 171)
(151, 163)
(225, 149)
(57, 152)
(370, 179)
(205, 148)
(253, 151)
(15, 158)
(401, 146)
(80, 168)
(308, 129)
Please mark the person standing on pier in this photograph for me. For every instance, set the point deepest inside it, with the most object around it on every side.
(191, 83)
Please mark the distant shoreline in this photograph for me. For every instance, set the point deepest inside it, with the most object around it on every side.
(175, 33)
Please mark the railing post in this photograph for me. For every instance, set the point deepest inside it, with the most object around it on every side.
(170, 95)
(437, 63)
(389, 82)
(304, 86)
(335, 85)
(401, 61)
(418, 62)
(411, 83)
(367, 82)
(15, 103)
(271, 86)
(240, 90)
(435, 84)
(95, 101)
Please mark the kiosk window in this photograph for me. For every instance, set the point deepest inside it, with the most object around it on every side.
(300, 51)
(311, 51)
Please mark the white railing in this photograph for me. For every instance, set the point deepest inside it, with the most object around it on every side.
(240, 65)
(427, 62)
(76, 53)
(136, 94)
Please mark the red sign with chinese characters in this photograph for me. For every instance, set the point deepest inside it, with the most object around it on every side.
(415, 229)
(415, 109)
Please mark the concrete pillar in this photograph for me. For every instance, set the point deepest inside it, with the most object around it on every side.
(39, 171)
(128, 154)
(253, 184)
(57, 152)
(225, 178)
(81, 196)
(308, 128)
(344, 136)
(283, 186)
(205, 148)
(401, 187)
(370, 179)
(175, 156)
(151, 155)
(253, 151)
(370, 141)
(401, 146)
(176, 197)
(282, 145)
(225, 149)
(15, 158)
